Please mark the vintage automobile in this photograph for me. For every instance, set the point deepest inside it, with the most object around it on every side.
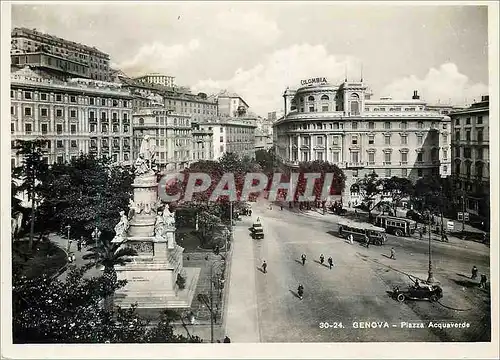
(257, 231)
(418, 291)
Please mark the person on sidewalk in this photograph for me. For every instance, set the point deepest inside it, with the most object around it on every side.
(474, 273)
(303, 258)
(281, 206)
(79, 244)
(367, 241)
(322, 259)
(393, 254)
(300, 291)
(330, 262)
(264, 266)
(484, 279)
(227, 339)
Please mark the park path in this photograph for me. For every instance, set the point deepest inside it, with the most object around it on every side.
(242, 323)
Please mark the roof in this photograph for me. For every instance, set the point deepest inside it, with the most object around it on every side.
(351, 223)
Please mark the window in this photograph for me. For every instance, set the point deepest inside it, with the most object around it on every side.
(115, 128)
(311, 108)
(371, 158)
(445, 169)
(457, 122)
(59, 113)
(480, 153)
(404, 157)
(419, 139)
(355, 157)
(325, 97)
(387, 158)
(72, 114)
(59, 144)
(445, 154)
(480, 135)
(58, 97)
(420, 173)
(28, 128)
(60, 159)
(371, 139)
(467, 121)
(73, 144)
(467, 153)
(73, 129)
(43, 97)
(324, 108)
(335, 157)
(27, 111)
(404, 125)
(12, 127)
(354, 125)
(91, 101)
(457, 135)
(404, 172)
(420, 125)
(59, 129)
(387, 125)
(103, 102)
(44, 112)
(371, 125)
(335, 140)
(387, 173)
(310, 98)
(27, 95)
(419, 157)
(319, 156)
(72, 99)
(354, 140)
(319, 140)
(125, 128)
(388, 140)
(479, 169)
(12, 94)
(479, 120)
(467, 135)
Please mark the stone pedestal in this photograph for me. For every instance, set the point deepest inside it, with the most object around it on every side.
(145, 197)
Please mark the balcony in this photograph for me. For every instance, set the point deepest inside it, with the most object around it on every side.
(355, 165)
(93, 120)
(116, 120)
(126, 121)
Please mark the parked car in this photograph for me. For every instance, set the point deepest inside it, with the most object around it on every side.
(257, 231)
(418, 291)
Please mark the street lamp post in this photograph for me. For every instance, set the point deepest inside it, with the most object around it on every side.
(430, 278)
(68, 227)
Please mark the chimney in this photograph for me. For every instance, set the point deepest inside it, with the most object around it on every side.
(415, 95)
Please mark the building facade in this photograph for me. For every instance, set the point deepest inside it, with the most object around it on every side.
(171, 133)
(203, 148)
(159, 79)
(61, 57)
(234, 135)
(231, 105)
(471, 158)
(339, 124)
(79, 116)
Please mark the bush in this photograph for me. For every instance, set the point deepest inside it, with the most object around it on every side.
(181, 282)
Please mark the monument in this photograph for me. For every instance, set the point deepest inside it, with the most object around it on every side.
(154, 275)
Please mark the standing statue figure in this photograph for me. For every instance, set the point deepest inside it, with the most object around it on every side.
(121, 228)
(168, 217)
(159, 226)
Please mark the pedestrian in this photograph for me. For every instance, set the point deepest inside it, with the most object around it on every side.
(264, 266)
(321, 259)
(79, 245)
(367, 241)
(349, 203)
(474, 272)
(420, 233)
(330, 262)
(484, 279)
(281, 207)
(227, 339)
(393, 254)
(69, 244)
(303, 257)
(351, 239)
(300, 291)
(191, 318)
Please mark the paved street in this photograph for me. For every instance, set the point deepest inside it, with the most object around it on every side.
(356, 288)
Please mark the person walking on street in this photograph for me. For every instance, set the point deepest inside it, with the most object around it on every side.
(474, 273)
(321, 259)
(264, 266)
(330, 262)
(420, 232)
(393, 254)
(79, 244)
(303, 257)
(227, 339)
(281, 206)
(484, 279)
(300, 291)
(367, 241)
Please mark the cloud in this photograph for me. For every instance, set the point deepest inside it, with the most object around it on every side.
(244, 26)
(262, 86)
(445, 84)
(158, 57)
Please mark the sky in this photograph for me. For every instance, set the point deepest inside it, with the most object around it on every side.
(258, 49)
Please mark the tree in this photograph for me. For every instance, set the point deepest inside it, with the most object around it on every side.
(52, 311)
(88, 193)
(32, 173)
(398, 188)
(109, 254)
(370, 187)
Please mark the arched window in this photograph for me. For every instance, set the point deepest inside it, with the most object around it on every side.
(325, 97)
(354, 104)
(310, 98)
(479, 169)
(141, 121)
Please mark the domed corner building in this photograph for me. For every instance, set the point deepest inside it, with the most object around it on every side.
(341, 124)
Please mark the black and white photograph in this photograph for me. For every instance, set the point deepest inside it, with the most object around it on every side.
(249, 179)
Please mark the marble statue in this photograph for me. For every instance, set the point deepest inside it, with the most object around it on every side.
(141, 165)
(159, 226)
(168, 217)
(121, 228)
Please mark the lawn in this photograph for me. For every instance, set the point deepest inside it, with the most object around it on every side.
(47, 258)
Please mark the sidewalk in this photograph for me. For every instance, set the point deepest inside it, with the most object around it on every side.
(242, 313)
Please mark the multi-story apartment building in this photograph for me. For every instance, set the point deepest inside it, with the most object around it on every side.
(263, 141)
(171, 133)
(78, 116)
(232, 135)
(231, 105)
(159, 79)
(202, 143)
(58, 56)
(471, 158)
(339, 124)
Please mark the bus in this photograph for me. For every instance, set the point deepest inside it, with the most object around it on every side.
(352, 230)
(396, 225)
